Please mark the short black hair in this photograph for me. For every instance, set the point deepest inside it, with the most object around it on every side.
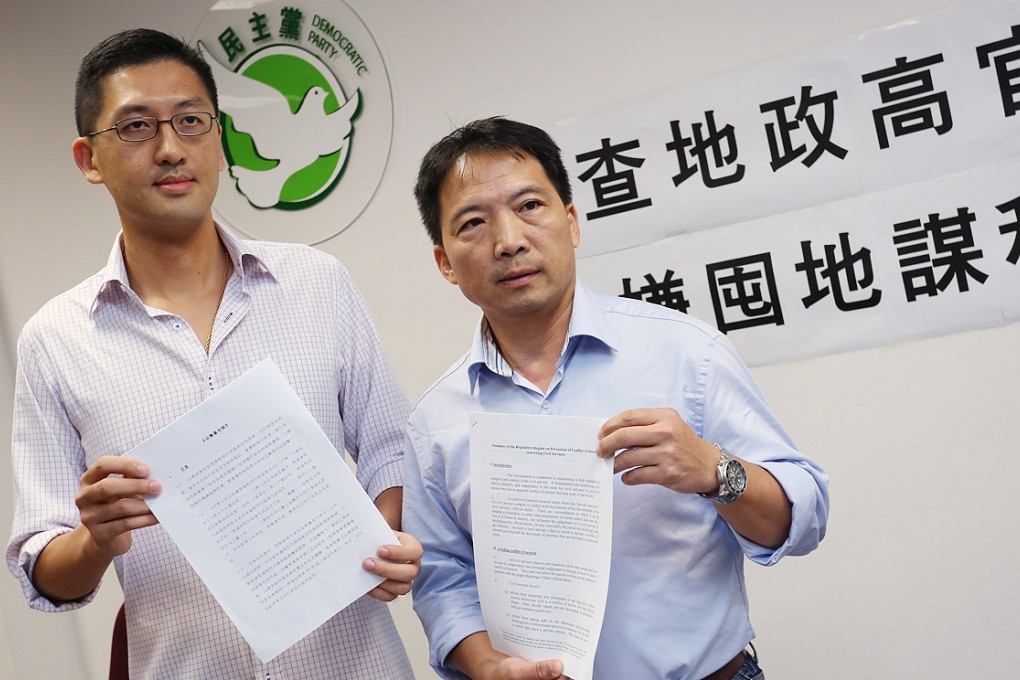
(133, 47)
(488, 135)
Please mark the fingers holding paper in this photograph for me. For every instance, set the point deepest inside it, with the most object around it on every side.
(398, 564)
(110, 501)
(475, 657)
(657, 447)
(516, 668)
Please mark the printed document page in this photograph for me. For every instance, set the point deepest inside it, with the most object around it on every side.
(542, 525)
(265, 509)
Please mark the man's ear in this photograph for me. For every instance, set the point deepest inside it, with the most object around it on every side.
(84, 158)
(575, 229)
(219, 145)
(443, 262)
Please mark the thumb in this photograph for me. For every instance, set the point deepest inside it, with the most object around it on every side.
(549, 669)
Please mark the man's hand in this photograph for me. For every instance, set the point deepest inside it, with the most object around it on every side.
(475, 657)
(658, 447)
(399, 564)
(516, 668)
(110, 502)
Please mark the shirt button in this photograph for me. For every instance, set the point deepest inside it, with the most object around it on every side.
(177, 325)
(546, 404)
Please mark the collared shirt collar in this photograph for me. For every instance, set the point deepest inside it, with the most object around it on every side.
(586, 320)
(114, 277)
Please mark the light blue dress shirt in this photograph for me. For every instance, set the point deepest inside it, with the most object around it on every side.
(677, 605)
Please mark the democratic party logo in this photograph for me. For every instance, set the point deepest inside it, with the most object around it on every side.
(307, 116)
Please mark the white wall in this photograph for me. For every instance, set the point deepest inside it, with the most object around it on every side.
(917, 577)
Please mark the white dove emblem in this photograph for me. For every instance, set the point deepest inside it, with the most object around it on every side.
(294, 140)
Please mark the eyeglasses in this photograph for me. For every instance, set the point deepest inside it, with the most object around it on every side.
(143, 128)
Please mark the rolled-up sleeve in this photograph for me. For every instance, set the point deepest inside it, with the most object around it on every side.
(445, 592)
(373, 404)
(737, 417)
(48, 461)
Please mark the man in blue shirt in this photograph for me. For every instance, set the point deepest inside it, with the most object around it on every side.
(706, 473)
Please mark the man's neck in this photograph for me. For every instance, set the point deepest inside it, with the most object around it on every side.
(159, 263)
(533, 346)
(162, 267)
(184, 276)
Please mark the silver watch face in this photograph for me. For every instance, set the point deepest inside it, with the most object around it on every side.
(736, 478)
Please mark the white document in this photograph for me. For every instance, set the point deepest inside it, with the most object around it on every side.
(265, 509)
(542, 525)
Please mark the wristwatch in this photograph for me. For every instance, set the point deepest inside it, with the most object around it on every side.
(732, 479)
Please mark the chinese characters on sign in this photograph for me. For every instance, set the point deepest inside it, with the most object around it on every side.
(841, 199)
(933, 255)
(306, 113)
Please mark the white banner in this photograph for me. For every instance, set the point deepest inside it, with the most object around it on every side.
(859, 195)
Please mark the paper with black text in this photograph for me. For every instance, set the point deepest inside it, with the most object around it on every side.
(542, 526)
(265, 509)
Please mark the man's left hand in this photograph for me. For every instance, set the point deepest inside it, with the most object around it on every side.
(398, 564)
(657, 447)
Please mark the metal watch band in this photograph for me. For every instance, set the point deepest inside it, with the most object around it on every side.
(725, 493)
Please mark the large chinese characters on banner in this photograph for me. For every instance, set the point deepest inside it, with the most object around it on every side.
(859, 195)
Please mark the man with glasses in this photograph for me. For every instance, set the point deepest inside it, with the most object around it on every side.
(182, 308)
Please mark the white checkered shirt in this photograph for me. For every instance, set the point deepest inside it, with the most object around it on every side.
(99, 372)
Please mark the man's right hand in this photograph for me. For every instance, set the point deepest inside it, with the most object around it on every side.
(516, 668)
(109, 500)
(475, 657)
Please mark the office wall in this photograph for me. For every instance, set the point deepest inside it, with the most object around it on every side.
(917, 577)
